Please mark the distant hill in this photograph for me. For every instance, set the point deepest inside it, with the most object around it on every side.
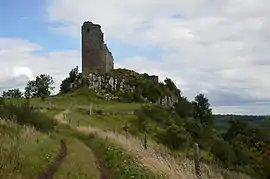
(222, 121)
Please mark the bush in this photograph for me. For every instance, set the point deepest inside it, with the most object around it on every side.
(155, 113)
(23, 114)
(201, 133)
(224, 152)
(174, 137)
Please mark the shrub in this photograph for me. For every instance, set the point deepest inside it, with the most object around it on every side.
(23, 114)
(174, 137)
(155, 113)
(224, 152)
(201, 133)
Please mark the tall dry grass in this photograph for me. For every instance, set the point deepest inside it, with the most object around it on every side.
(23, 150)
(155, 160)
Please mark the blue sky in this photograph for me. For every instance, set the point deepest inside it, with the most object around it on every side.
(220, 49)
(29, 21)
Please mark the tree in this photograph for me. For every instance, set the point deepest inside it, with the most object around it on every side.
(66, 83)
(224, 152)
(12, 93)
(236, 127)
(172, 87)
(184, 108)
(170, 84)
(40, 87)
(202, 110)
(201, 133)
(73, 74)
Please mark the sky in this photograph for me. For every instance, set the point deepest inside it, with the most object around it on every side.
(217, 47)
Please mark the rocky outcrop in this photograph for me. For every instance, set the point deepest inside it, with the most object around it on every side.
(106, 85)
(168, 101)
(109, 83)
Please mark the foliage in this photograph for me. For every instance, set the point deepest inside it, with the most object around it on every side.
(184, 108)
(23, 114)
(141, 122)
(202, 110)
(224, 152)
(244, 147)
(174, 137)
(120, 164)
(200, 132)
(137, 87)
(12, 93)
(40, 87)
(172, 87)
(24, 152)
(156, 113)
(67, 82)
(240, 146)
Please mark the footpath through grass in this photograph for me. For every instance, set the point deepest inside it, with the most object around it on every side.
(31, 143)
(30, 140)
(119, 163)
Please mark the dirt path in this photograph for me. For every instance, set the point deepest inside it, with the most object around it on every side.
(165, 165)
(104, 174)
(49, 172)
(157, 162)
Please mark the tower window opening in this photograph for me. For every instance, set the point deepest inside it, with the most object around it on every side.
(87, 30)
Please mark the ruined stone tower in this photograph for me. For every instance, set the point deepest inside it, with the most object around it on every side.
(95, 54)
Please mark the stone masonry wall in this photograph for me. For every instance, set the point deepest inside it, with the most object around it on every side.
(95, 54)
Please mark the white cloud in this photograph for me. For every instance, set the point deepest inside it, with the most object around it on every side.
(221, 47)
(20, 64)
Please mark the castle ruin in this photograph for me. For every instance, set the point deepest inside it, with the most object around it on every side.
(95, 53)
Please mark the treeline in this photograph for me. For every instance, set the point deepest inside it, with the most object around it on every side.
(41, 87)
(222, 121)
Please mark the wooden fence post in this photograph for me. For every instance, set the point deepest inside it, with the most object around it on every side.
(69, 117)
(197, 161)
(90, 110)
(145, 141)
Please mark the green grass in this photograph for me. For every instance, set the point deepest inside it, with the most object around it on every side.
(120, 164)
(34, 150)
(114, 122)
(24, 152)
(80, 162)
(83, 98)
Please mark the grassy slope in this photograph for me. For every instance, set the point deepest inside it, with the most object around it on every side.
(80, 161)
(80, 100)
(24, 152)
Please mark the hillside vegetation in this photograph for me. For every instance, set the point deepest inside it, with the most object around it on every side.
(125, 137)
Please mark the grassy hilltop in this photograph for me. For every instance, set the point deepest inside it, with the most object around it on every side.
(79, 134)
